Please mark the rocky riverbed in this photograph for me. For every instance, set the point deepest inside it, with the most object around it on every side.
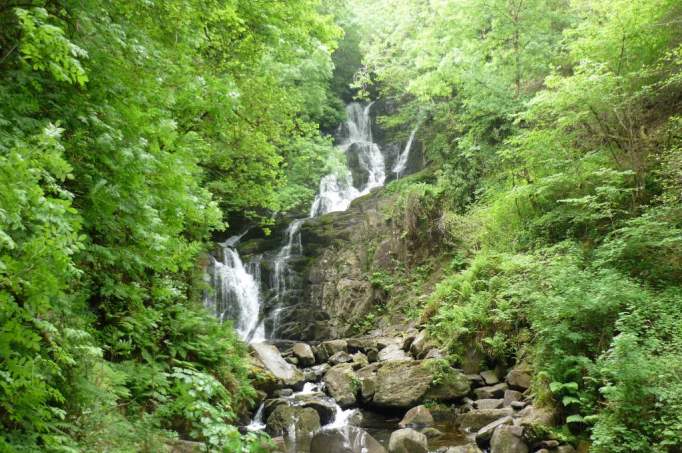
(395, 395)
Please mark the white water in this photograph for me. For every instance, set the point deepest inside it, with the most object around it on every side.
(337, 190)
(401, 163)
(237, 292)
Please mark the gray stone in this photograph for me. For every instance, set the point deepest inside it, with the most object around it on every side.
(360, 359)
(432, 433)
(490, 392)
(476, 380)
(534, 416)
(417, 417)
(272, 360)
(488, 403)
(401, 384)
(407, 441)
(478, 418)
(333, 346)
(518, 405)
(421, 345)
(361, 344)
(433, 354)
(368, 381)
(484, 434)
(519, 379)
(510, 396)
(340, 357)
(304, 354)
(470, 448)
(507, 439)
(372, 355)
(282, 393)
(325, 409)
(340, 383)
(392, 352)
(350, 439)
(320, 370)
(489, 377)
(271, 404)
(407, 342)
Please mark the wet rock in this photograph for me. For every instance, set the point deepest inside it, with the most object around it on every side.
(303, 419)
(393, 352)
(342, 384)
(282, 393)
(432, 433)
(304, 353)
(519, 379)
(349, 439)
(478, 418)
(489, 404)
(280, 444)
(507, 439)
(417, 416)
(484, 434)
(340, 357)
(270, 405)
(510, 396)
(272, 360)
(320, 370)
(325, 409)
(491, 391)
(407, 441)
(368, 381)
(490, 377)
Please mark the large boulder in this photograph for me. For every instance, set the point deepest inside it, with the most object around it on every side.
(450, 385)
(408, 441)
(537, 416)
(340, 357)
(331, 347)
(368, 381)
(519, 379)
(491, 391)
(342, 384)
(303, 420)
(304, 353)
(324, 408)
(484, 434)
(418, 416)
(489, 404)
(490, 377)
(508, 439)
(474, 420)
(349, 439)
(285, 373)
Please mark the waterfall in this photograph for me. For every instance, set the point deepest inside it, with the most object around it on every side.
(281, 275)
(337, 191)
(401, 163)
(237, 291)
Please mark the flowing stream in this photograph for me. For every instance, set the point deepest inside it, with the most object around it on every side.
(401, 163)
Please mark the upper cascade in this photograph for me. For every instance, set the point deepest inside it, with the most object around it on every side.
(366, 166)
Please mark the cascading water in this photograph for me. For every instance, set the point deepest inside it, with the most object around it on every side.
(337, 191)
(281, 275)
(401, 163)
(237, 291)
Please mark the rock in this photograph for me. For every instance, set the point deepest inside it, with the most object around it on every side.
(518, 405)
(372, 355)
(421, 345)
(407, 441)
(407, 342)
(271, 404)
(283, 393)
(291, 360)
(342, 384)
(325, 409)
(433, 354)
(392, 352)
(349, 439)
(510, 396)
(304, 419)
(432, 433)
(452, 386)
(478, 418)
(519, 379)
(368, 381)
(340, 357)
(471, 362)
(484, 434)
(280, 445)
(476, 380)
(383, 342)
(489, 377)
(401, 384)
(331, 347)
(321, 355)
(533, 416)
(304, 353)
(361, 344)
(272, 361)
(488, 403)
(547, 444)
(490, 392)
(471, 448)
(319, 370)
(507, 439)
(564, 449)
(360, 359)
(417, 417)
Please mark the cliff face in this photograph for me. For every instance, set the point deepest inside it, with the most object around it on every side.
(331, 285)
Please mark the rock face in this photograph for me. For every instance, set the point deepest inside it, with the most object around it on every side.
(287, 374)
(345, 440)
(342, 384)
(407, 441)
